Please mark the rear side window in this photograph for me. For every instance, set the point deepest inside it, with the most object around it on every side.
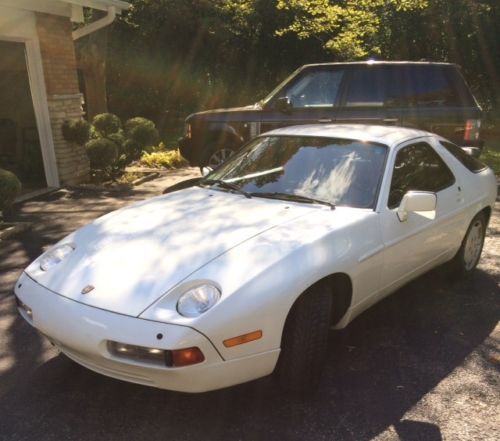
(473, 164)
(419, 168)
(425, 86)
(366, 87)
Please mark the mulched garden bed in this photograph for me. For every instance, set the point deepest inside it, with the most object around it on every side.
(126, 181)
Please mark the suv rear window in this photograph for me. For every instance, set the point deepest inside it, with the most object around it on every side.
(473, 164)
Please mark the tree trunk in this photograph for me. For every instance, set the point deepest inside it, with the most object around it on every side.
(91, 59)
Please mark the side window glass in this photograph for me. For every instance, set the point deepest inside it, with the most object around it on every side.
(316, 89)
(473, 164)
(421, 86)
(419, 168)
(366, 88)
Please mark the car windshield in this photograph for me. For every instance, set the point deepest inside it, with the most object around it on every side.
(343, 172)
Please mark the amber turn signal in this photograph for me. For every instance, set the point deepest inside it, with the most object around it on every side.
(186, 357)
(245, 338)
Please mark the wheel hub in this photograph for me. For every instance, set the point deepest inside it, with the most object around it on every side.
(219, 156)
(473, 245)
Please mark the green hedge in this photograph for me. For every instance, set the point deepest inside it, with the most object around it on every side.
(10, 187)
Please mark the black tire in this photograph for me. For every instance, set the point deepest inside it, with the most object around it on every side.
(467, 257)
(304, 342)
(214, 155)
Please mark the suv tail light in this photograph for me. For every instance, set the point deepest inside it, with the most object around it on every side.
(472, 127)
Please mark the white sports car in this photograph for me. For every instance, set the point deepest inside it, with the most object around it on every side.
(243, 274)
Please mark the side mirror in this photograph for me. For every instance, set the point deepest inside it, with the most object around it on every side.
(416, 201)
(283, 104)
(206, 170)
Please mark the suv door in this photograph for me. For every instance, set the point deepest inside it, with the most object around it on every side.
(313, 95)
(418, 244)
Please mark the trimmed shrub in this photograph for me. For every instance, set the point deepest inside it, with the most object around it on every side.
(132, 150)
(142, 131)
(10, 187)
(76, 131)
(102, 153)
(118, 138)
(107, 124)
(165, 159)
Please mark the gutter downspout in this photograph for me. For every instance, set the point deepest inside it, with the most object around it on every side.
(96, 25)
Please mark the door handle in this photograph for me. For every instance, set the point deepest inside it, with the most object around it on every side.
(325, 120)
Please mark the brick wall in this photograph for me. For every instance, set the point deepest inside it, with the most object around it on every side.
(63, 94)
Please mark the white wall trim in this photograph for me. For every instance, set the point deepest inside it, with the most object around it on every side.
(20, 26)
(41, 106)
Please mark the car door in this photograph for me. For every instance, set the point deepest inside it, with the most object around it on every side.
(313, 96)
(424, 239)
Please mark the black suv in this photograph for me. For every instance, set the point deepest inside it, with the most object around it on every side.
(429, 96)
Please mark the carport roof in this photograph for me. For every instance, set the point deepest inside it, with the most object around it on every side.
(99, 4)
(68, 8)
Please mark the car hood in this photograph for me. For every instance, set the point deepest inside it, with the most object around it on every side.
(229, 114)
(135, 255)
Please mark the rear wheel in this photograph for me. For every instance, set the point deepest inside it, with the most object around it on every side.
(469, 253)
(304, 342)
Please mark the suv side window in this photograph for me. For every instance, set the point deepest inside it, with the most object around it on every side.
(366, 87)
(318, 88)
(421, 86)
(418, 167)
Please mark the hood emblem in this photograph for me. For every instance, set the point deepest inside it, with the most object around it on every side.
(87, 289)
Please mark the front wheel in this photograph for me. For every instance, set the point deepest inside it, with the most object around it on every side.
(215, 155)
(304, 342)
(469, 253)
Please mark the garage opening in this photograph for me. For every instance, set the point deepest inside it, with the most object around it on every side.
(20, 150)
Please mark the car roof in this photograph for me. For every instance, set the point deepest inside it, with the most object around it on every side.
(375, 62)
(388, 135)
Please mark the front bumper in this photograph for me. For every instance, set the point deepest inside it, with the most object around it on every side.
(186, 148)
(81, 332)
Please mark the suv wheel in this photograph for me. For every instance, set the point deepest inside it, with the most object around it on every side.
(216, 155)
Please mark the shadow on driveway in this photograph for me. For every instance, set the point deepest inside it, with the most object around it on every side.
(417, 366)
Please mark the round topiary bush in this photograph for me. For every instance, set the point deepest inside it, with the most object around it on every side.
(10, 187)
(76, 130)
(118, 138)
(142, 131)
(102, 153)
(107, 124)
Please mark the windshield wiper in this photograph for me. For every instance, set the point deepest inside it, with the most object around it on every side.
(224, 184)
(293, 197)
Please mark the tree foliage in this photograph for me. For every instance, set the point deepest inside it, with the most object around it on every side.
(167, 58)
(347, 28)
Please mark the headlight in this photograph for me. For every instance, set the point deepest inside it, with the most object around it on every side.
(55, 255)
(198, 300)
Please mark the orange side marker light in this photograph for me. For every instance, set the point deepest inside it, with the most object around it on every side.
(245, 338)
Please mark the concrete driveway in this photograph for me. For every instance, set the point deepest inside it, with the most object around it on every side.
(421, 365)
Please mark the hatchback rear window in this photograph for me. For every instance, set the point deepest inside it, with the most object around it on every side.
(473, 164)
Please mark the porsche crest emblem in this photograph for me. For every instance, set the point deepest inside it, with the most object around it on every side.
(87, 289)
